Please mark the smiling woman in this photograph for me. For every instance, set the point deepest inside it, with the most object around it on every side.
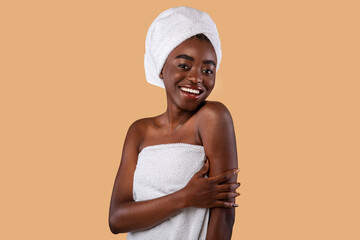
(177, 176)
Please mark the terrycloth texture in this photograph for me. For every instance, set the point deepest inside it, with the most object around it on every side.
(168, 30)
(161, 170)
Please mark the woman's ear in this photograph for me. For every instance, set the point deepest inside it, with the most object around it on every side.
(161, 73)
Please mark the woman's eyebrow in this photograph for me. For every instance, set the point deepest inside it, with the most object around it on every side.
(187, 57)
(209, 62)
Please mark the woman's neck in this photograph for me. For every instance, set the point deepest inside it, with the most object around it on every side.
(175, 117)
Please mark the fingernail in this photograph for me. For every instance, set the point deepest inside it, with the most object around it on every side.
(237, 170)
(235, 205)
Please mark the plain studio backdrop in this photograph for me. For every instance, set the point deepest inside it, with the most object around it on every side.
(72, 82)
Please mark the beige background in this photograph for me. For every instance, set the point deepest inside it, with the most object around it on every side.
(72, 81)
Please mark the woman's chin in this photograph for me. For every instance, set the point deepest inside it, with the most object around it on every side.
(191, 106)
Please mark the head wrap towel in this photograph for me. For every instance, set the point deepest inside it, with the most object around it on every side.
(168, 30)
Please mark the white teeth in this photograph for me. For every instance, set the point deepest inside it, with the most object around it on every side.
(190, 90)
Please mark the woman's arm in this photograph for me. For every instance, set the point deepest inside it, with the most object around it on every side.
(217, 134)
(126, 215)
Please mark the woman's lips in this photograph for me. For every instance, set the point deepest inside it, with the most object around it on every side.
(191, 92)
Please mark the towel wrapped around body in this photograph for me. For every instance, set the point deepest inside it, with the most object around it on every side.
(161, 170)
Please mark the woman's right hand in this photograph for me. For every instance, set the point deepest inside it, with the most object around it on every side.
(205, 192)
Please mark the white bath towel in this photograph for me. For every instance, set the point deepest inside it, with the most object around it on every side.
(161, 170)
(168, 30)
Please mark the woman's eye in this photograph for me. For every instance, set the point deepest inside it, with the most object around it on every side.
(207, 71)
(183, 66)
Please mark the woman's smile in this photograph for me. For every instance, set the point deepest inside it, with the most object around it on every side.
(191, 92)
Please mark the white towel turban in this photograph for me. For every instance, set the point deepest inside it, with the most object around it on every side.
(168, 30)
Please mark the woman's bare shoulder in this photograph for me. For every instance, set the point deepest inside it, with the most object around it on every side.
(141, 125)
(139, 129)
(213, 119)
(213, 110)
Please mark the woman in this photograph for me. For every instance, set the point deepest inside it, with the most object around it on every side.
(161, 190)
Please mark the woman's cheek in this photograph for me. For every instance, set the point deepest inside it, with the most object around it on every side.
(179, 75)
(210, 83)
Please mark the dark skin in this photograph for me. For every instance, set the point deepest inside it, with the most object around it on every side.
(195, 121)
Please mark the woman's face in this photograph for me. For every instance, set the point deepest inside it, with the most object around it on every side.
(189, 73)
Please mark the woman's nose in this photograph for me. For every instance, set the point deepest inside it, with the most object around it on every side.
(195, 76)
